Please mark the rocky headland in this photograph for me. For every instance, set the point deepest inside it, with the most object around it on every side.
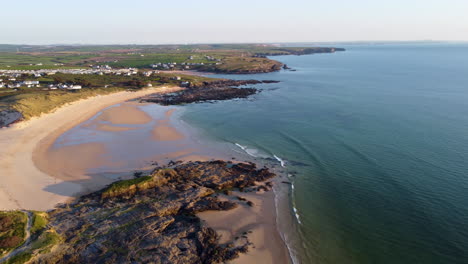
(207, 91)
(148, 219)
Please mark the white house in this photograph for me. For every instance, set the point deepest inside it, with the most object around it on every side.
(31, 82)
(74, 87)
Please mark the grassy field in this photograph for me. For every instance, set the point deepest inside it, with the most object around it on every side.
(246, 65)
(139, 56)
(22, 61)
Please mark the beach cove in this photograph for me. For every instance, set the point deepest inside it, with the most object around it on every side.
(75, 159)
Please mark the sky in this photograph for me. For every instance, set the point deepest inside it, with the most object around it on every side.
(240, 21)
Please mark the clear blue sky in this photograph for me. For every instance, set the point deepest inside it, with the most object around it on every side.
(210, 21)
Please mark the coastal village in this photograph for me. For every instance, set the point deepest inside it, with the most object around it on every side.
(15, 78)
(10, 78)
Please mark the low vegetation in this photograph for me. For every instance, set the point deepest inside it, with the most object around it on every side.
(12, 230)
(38, 102)
(240, 65)
(39, 222)
(128, 187)
(20, 258)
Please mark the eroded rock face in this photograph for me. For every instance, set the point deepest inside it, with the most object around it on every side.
(156, 224)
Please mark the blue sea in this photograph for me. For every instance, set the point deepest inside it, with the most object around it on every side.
(376, 139)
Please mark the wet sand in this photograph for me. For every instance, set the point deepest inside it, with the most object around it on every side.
(164, 132)
(22, 184)
(257, 222)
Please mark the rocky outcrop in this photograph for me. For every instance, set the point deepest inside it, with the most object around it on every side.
(207, 91)
(151, 219)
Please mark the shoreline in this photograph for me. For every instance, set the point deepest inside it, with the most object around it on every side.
(24, 140)
(259, 219)
(263, 224)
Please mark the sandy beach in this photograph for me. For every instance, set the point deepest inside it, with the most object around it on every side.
(257, 223)
(37, 173)
(23, 185)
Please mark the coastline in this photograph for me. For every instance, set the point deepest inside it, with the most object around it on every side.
(24, 141)
(261, 223)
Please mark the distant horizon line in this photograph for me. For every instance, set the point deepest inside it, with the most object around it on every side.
(246, 43)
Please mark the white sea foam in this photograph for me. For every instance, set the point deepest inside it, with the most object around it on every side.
(297, 215)
(240, 146)
(250, 151)
(280, 160)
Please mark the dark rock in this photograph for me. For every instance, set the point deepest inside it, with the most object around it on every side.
(155, 224)
(207, 91)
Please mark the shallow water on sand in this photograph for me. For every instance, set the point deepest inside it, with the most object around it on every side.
(377, 138)
(125, 138)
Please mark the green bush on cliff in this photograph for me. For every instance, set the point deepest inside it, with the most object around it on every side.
(122, 186)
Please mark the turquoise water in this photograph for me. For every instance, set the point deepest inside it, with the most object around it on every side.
(378, 137)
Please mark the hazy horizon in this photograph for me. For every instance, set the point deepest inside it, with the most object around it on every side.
(208, 21)
(356, 42)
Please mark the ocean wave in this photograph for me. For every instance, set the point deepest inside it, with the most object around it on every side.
(283, 164)
(249, 151)
(294, 207)
(256, 153)
(297, 215)
(240, 146)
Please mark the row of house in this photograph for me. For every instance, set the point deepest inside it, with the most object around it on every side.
(43, 72)
(15, 84)
(64, 86)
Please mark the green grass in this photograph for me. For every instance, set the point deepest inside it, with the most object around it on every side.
(122, 185)
(12, 230)
(245, 64)
(20, 258)
(22, 61)
(145, 61)
(45, 241)
(39, 222)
